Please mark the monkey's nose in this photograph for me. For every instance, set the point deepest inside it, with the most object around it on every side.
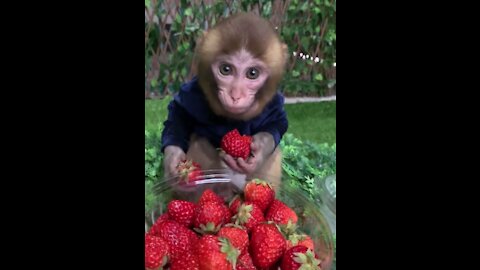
(235, 99)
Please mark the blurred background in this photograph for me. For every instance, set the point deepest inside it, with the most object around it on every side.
(307, 27)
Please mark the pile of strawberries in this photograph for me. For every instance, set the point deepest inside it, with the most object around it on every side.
(254, 231)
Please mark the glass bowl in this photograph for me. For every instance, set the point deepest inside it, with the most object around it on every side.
(311, 219)
(328, 200)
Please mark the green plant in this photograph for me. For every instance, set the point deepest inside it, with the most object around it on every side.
(153, 157)
(305, 164)
(171, 33)
(312, 47)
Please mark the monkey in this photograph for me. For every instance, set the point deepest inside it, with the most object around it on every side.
(239, 65)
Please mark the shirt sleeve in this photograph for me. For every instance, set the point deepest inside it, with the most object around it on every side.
(276, 122)
(177, 127)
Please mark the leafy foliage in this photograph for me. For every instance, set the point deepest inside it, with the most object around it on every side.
(171, 33)
(153, 157)
(306, 164)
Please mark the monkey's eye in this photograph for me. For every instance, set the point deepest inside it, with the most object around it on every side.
(253, 73)
(225, 69)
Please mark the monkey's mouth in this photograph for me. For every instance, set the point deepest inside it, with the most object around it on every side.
(236, 109)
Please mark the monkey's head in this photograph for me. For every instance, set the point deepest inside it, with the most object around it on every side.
(240, 63)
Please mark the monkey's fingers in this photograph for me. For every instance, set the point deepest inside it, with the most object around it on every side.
(231, 163)
(222, 154)
(171, 171)
(254, 147)
(247, 167)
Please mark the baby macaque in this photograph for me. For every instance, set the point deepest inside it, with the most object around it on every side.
(240, 62)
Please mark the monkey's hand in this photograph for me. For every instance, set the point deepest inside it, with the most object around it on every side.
(262, 146)
(173, 156)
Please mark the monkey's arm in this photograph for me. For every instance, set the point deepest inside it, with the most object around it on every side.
(175, 137)
(274, 123)
(177, 127)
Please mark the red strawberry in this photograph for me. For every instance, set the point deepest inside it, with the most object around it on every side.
(156, 252)
(178, 237)
(154, 229)
(163, 217)
(187, 262)
(235, 204)
(245, 262)
(282, 215)
(189, 171)
(267, 245)
(216, 253)
(237, 235)
(300, 257)
(260, 192)
(209, 196)
(300, 240)
(182, 211)
(192, 237)
(227, 214)
(236, 145)
(209, 217)
(249, 215)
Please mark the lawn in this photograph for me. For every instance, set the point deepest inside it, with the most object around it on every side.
(155, 113)
(315, 122)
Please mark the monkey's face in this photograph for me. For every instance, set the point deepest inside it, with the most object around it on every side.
(239, 77)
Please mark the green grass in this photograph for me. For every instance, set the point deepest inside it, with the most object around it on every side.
(155, 113)
(315, 122)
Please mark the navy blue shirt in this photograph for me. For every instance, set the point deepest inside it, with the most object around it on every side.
(189, 113)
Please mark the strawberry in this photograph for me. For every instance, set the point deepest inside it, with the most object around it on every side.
(237, 235)
(267, 245)
(300, 240)
(209, 217)
(227, 214)
(192, 237)
(260, 192)
(300, 257)
(209, 196)
(182, 211)
(180, 239)
(235, 204)
(216, 253)
(154, 229)
(163, 217)
(156, 252)
(187, 262)
(282, 215)
(236, 145)
(188, 171)
(249, 215)
(245, 262)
